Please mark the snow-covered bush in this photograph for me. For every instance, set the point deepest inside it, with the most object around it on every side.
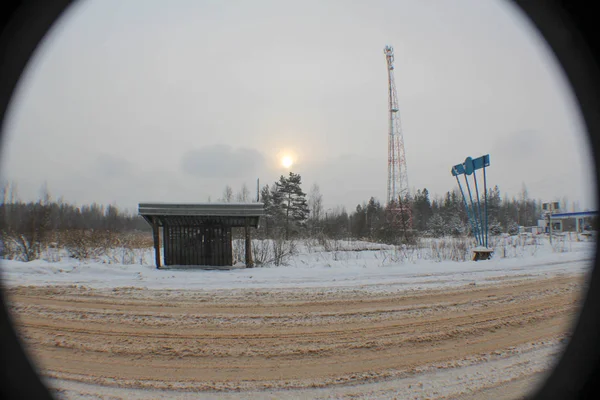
(262, 252)
(513, 228)
(454, 249)
(310, 243)
(85, 245)
(495, 228)
(283, 250)
(10, 248)
(238, 250)
(20, 247)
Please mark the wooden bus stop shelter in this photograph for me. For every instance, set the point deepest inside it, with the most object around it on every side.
(200, 234)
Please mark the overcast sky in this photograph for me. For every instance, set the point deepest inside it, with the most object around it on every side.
(133, 101)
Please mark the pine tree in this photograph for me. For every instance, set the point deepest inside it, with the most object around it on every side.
(291, 201)
(456, 227)
(422, 210)
(405, 203)
(494, 203)
(436, 226)
(267, 200)
(371, 215)
(359, 222)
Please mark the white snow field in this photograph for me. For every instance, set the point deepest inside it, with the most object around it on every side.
(348, 266)
(360, 320)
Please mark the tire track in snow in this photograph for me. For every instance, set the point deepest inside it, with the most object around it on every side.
(305, 338)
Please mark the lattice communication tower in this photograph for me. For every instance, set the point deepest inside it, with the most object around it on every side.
(397, 182)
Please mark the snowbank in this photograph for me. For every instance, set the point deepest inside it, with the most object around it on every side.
(372, 270)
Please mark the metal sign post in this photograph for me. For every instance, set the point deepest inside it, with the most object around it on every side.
(550, 220)
(550, 207)
(477, 215)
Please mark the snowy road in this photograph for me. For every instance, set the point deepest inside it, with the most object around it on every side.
(317, 343)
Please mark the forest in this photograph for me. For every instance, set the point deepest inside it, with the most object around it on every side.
(290, 213)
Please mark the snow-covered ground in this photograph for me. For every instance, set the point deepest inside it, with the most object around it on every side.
(378, 269)
(520, 329)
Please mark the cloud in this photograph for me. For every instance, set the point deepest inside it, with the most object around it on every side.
(348, 179)
(220, 161)
(110, 166)
(520, 145)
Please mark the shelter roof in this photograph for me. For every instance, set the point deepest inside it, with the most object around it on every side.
(187, 214)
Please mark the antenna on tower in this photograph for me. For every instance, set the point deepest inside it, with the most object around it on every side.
(397, 182)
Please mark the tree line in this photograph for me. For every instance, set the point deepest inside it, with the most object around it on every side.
(29, 227)
(292, 212)
(434, 217)
(49, 214)
(289, 213)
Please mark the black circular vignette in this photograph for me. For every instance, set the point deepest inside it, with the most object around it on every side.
(566, 25)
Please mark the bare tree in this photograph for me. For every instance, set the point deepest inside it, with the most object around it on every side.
(32, 231)
(45, 194)
(315, 202)
(523, 206)
(243, 196)
(315, 205)
(10, 193)
(227, 194)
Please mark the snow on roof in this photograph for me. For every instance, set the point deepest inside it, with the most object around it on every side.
(202, 209)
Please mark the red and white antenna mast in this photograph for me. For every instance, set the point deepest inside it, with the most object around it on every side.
(397, 185)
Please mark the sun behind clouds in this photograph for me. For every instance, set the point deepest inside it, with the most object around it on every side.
(286, 161)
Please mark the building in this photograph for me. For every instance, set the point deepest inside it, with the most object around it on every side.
(565, 221)
(574, 221)
(200, 234)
